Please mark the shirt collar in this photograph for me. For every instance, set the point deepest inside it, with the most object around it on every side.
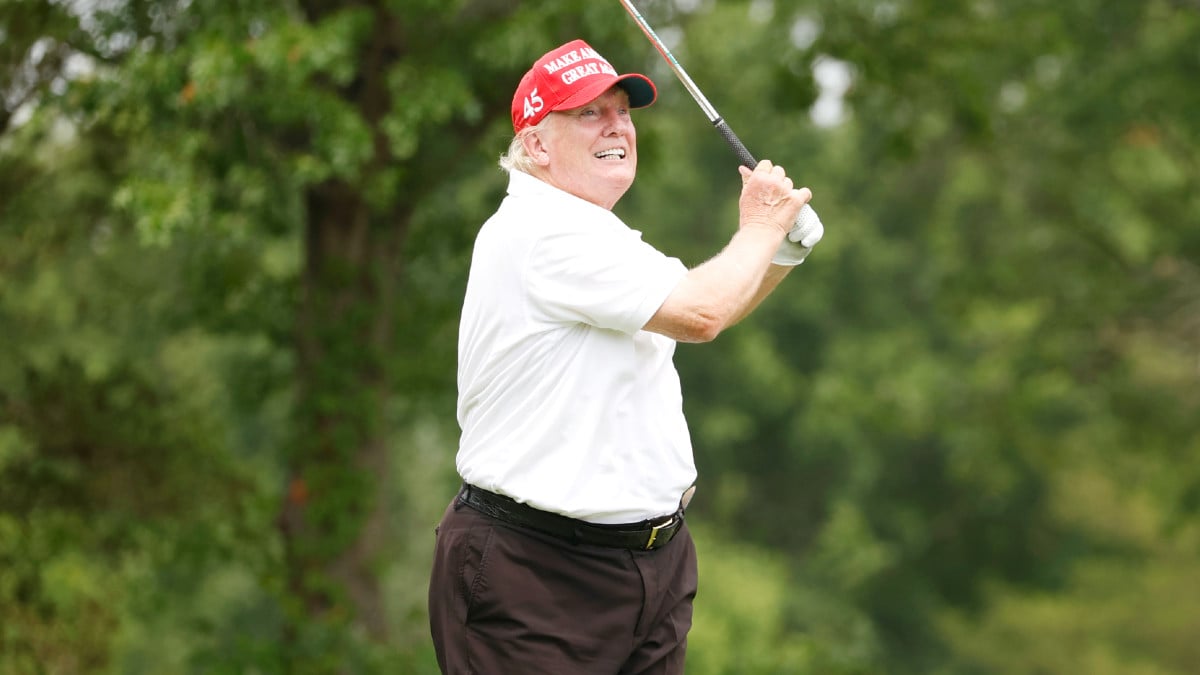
(521, 184)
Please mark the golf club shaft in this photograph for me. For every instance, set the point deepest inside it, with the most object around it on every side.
(808, 219)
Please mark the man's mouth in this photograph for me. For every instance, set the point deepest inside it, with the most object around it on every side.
(611, 153)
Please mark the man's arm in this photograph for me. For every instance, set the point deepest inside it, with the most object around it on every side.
(722, 291)
(775, 274)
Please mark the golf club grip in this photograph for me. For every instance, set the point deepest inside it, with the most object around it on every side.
(807, 221)
(735, 143)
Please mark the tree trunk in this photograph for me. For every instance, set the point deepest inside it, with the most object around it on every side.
(334, 513)
(333, 517)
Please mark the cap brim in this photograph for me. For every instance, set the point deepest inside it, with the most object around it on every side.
(639, 87)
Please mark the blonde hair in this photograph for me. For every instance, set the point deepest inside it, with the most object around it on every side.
(517, 158)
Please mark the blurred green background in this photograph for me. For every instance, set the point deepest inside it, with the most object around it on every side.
(963, 437)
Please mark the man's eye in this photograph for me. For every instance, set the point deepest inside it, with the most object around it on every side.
(588, 113)
(622, 111)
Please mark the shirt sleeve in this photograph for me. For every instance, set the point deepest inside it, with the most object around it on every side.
(606, 277)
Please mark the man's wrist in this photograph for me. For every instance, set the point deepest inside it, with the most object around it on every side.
(763, 224)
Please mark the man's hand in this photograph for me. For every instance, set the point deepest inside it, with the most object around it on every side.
(769, 200)
(790, 254)
(727, 287)
(796, 247)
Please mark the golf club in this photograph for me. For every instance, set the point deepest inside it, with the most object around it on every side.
(808, 221)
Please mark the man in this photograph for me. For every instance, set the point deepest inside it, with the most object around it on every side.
(566, 550)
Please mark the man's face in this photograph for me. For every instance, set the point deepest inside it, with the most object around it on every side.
(591, 151)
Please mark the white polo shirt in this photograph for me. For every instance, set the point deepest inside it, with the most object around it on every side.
(564, 402)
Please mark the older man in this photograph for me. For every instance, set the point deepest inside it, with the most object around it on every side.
(566, 550)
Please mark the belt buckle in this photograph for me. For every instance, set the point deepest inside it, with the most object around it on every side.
(655, 530)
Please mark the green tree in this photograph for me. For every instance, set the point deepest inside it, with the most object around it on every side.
(234, 236)
(1000, 302)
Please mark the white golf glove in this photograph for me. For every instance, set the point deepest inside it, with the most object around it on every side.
(804, 235)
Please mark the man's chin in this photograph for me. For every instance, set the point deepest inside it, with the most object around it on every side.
(618, 184)
(621, 177)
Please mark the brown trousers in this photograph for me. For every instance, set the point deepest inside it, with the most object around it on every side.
(505, 600)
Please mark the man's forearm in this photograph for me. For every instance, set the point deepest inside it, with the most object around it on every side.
(719, 293)
(770, 281)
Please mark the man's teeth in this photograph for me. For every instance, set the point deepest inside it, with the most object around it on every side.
(615, 152)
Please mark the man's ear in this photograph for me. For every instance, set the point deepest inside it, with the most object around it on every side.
(536, 149)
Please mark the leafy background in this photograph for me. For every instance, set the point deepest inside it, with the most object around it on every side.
(962, 438)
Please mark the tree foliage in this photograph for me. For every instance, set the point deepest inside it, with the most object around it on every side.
(234, 238)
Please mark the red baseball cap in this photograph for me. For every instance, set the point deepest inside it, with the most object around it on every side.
(569, 77)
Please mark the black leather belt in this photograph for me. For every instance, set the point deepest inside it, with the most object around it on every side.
(646, 535)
